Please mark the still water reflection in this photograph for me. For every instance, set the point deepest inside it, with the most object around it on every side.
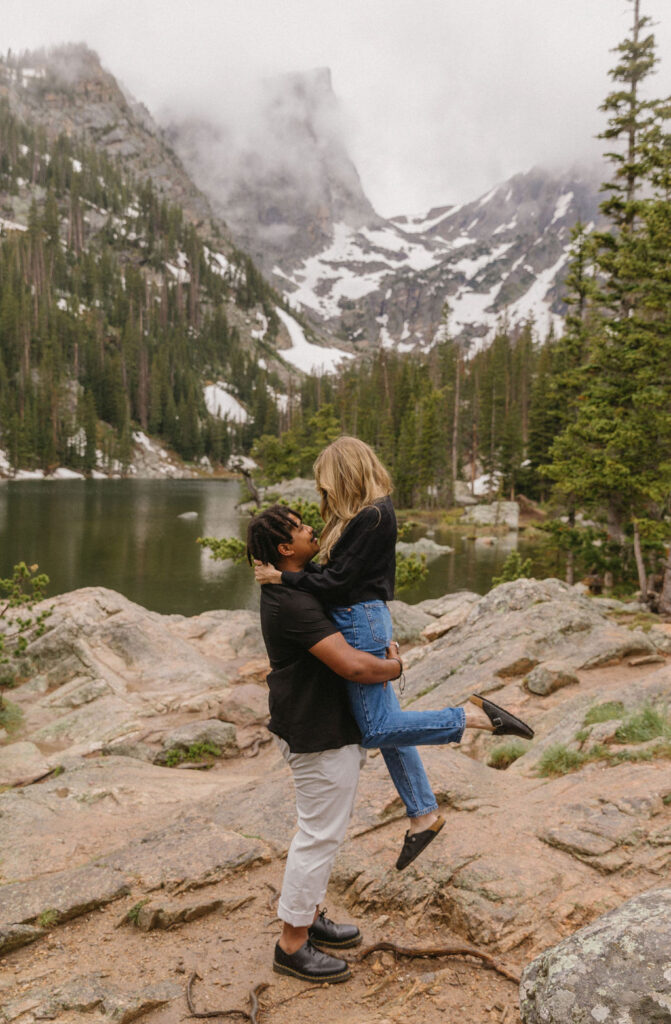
(128, 535)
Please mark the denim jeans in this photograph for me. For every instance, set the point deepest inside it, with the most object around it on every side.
(367, 626)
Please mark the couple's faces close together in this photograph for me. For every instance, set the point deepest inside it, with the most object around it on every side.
(304, 540)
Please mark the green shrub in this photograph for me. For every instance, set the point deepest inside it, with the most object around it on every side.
(503, 756)
(410, 569)
(513, 569)
(19, 593)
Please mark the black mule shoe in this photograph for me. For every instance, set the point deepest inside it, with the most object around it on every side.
(415, 843)
(504, 723)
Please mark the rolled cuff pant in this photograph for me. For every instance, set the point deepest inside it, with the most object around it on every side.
(325, 783)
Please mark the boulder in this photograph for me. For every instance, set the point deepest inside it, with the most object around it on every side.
(424, 546)
(499, 513)
(83, 994)
(458, 612)
(550, 676)
(21, 763)
(408, 621)
(13, 936)
(509, 631)
(166, 913)
(214, 732)
(462, 493)
(246, 704)
(60, 896)
(613, 971)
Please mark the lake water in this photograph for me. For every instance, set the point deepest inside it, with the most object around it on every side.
(128, 535)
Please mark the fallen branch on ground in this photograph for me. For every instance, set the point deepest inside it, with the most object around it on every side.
(253, 997)
(436, 951)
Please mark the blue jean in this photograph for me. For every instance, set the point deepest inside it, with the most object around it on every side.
(367, 626)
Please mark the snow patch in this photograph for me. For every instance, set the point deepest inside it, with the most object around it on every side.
(11, 225)
(221, 403)
(562, 206)
(264, 327)
(303, 354)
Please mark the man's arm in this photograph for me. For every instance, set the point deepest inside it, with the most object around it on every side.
(359, 666)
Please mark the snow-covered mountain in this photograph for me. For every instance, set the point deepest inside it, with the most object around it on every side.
(292, 197)
(503, 256)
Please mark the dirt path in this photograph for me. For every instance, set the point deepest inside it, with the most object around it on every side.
(233, 953)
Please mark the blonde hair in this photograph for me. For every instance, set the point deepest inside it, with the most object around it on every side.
(350, 477)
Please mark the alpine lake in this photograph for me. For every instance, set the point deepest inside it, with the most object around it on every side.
(139, 537)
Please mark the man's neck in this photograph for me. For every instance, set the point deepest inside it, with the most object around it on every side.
(291, 564)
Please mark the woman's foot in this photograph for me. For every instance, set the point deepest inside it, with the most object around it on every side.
(499, 721)
(423, 822)
(415, 842)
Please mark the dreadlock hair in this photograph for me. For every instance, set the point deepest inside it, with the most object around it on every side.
(269, 528)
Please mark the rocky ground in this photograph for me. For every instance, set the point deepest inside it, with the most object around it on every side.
(131, 855)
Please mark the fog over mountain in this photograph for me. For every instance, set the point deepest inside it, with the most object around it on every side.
(287, 187)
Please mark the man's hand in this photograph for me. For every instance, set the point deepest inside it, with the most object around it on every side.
(349, 663)
(265, 573)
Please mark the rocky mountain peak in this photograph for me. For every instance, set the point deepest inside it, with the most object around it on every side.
(283, 179)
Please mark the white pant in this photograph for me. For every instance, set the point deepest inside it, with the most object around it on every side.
(325, 784)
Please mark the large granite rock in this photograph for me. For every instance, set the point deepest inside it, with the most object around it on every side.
(424, 547)
(615, 971)
(21, 763)
(565, 725)
(508, 632)
(105, 667)
(408, 621)
(499, 513)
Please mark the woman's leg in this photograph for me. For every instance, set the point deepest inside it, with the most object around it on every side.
(367, 627)
(383, 723)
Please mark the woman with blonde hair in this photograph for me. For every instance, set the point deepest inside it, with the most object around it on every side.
(354, 581)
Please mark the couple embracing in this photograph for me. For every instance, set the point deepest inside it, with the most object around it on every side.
(328, 634)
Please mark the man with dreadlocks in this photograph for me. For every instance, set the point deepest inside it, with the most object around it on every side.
(318, 738)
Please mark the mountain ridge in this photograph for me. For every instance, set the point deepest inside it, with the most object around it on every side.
(339, 265)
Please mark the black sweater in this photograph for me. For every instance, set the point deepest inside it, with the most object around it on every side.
(362, 566)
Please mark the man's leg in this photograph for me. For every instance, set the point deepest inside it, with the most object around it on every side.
(325, 785)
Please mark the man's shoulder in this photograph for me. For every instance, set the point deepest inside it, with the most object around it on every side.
(283, 600)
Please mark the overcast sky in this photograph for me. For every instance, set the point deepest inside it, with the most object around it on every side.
(442, 98)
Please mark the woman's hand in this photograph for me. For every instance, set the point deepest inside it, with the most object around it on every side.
(265, 573)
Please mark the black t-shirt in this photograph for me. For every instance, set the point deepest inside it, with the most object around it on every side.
(308, 702)
(362, 566)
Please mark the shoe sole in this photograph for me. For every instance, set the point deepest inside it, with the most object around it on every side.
(319, 980)
(336, 945)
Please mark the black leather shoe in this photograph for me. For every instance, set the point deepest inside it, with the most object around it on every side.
(414, 844)
(504, 723)
(325, 932)
(310, 964)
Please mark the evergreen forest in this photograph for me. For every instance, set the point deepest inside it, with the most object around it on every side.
(104, 332)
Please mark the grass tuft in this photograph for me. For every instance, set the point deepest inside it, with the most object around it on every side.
(646, 724)
(604, 712)
(559, 760)
(196, 752)
(11, 715)
(502, 757)
(48, 918)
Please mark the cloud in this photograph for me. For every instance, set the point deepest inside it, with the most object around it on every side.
(442, 98)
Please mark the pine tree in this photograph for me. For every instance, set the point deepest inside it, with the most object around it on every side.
(617, 452)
